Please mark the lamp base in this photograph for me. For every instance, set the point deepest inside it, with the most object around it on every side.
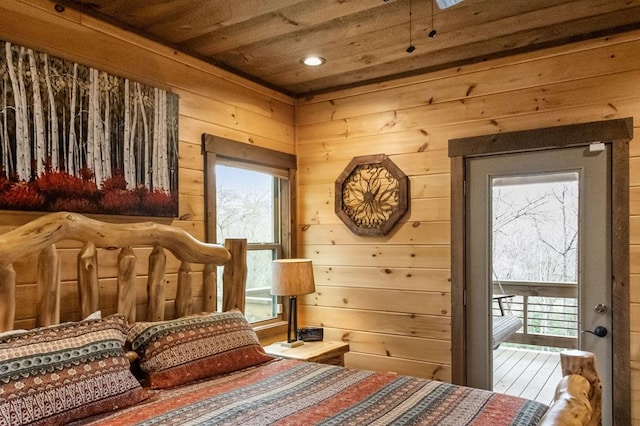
(292, 344)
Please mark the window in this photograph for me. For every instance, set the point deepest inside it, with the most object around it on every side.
(249, 205)
(248, 193)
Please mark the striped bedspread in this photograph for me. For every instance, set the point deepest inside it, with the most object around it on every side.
(287, 392)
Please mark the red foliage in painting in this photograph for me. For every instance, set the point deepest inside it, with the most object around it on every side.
(86, 174)
(47, 165)
(59, 191)
(118, 201)
(115, 182)
(79, 205)
(156, 203)
(22, 196)
(54, 185)
(5, 183)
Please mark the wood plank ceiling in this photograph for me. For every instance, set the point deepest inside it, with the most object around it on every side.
(363, 41)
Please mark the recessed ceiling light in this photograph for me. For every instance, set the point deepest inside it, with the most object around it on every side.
(313, 61)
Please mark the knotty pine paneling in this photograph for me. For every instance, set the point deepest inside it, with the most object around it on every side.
(553, 97)
(211, 101)
(420, 210)
(383, 300)
(384, 277)
(635, 288)
(437, 257)
(401, 142)
(232, 116)
(634, 200)
(191, 129)
(411, 120)
(401, 324)
(479, 80)
(634, 253)
(406, 233)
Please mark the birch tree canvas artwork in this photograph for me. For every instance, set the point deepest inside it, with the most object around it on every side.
(78, 139)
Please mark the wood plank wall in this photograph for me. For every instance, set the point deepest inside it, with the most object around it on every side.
(211, 101)
(389, 296)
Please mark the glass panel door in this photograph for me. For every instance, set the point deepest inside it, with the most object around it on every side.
(535, 241)
(538, 226)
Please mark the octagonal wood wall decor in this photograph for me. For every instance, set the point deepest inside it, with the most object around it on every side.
(371, 195)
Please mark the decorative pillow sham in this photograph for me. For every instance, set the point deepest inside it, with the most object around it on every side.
(178, 351)
(52, 375)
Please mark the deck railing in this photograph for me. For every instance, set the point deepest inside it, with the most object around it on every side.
(549, 312)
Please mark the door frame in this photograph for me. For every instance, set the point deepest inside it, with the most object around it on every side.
(616, 132)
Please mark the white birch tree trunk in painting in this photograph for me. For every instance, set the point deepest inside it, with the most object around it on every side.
(97, 131)
(72, 150)
(106, 133)
(163, 162)
(24, 112)
(7, 161)
(134, 130)
(156, 136)
(23, 158)
(38, 121)
(144, 158)
(94, 158)
(126, 149)
(53, 117)
(89, 142)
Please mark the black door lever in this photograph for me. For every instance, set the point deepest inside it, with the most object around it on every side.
(599, 331)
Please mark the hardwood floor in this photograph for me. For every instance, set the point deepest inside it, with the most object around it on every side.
(527, 373)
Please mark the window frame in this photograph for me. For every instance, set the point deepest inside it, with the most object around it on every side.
(218, 150)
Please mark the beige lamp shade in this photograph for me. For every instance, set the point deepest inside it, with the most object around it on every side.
(292, 277)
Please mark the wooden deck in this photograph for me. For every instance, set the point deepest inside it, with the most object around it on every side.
(527, 373)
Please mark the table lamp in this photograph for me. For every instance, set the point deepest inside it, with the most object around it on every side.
(292, 277)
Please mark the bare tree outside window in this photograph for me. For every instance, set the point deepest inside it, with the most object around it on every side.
(535, 240)
(245, 203)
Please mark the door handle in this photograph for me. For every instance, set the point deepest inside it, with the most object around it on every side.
(599, 331)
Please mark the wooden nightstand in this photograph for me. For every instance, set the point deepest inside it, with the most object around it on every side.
(325, 352)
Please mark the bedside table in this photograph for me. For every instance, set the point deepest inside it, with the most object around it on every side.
(325, 352)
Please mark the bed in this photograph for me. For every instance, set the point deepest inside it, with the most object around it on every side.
(173, 366)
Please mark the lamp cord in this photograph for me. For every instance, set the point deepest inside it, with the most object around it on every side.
(411, 47)
(432, 33)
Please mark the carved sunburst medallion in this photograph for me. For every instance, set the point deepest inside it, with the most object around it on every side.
(371, 195)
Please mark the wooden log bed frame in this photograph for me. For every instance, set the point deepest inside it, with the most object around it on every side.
(577, 400)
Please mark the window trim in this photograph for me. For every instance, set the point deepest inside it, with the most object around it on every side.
(217, 148)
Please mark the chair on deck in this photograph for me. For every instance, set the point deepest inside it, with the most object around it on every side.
(505, 324)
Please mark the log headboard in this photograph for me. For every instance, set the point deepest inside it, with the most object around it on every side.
(41, 235)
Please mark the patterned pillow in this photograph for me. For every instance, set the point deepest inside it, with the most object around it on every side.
(178, 351)
(52, 375)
